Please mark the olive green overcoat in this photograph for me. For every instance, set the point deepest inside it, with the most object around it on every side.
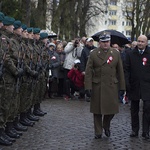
(104, 75)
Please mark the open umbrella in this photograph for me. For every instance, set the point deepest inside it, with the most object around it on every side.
(116, 37)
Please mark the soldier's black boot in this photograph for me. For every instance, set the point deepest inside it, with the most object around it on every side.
(18, 126)
(10, 132)
(7, 137)
(3, 139)
(37, 110)
(31, 116)
(25, 121)
(15, 131)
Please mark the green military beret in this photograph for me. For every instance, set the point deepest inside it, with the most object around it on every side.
(36, 30)
(43, 35)
(17, 24)
(29, 30)
(24, 27)
(8, 21)
(1, 16)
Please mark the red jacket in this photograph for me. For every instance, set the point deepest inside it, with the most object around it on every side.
(77, 77)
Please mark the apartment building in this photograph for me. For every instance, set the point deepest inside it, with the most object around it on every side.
(113, 18)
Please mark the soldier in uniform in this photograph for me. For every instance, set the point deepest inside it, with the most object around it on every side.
(30, 74)
(103, 75)
(14, 45)
(4, 139)
(38, 47)
(24, 120)
(10, 75)
(17, 41)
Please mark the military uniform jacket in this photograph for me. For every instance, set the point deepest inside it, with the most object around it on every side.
(34, 54)
(137, 74)
(104, 75)
(28, 72)
(10, 69)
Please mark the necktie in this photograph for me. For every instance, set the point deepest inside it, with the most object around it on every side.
(141, 52)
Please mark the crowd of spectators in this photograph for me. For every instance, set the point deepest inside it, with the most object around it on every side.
(68, 80)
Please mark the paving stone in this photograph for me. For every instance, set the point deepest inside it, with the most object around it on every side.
(68, 125)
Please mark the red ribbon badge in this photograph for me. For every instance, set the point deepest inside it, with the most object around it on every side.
(109, 59)
(144, 61)
(53, 58)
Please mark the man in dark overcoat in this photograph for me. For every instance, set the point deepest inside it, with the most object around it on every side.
(103, 76)
(137, 74)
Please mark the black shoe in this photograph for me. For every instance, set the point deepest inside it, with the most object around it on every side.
(133, 134)
(8, 138)
(32, 117)
(17, 132)
(19, 127)
(38, 113)
(39, 109)
(12, 134)
(32, 122)
(4, 141)
(145, 136)
(98, 136)
(107, 133)
(26, 122)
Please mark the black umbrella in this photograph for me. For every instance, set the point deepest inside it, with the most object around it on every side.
(116, 37)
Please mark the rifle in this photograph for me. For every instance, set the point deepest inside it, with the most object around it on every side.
(3, 58)
(20, 65)
(37, 68)
(31, 67)
(2, 65)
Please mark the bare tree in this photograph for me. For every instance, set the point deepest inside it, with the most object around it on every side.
(138, 12)
(26, 11)
(70, 17)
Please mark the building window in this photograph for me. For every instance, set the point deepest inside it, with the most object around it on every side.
(123, 13)
(105, 22)
(113, 2)
(128, 23)
(130, 4)
(112, 22)
(122, 23)
(112, 12)
(129, 13)
(128, 33)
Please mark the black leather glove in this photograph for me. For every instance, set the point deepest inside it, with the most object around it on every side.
(20, 72)
(88, 92)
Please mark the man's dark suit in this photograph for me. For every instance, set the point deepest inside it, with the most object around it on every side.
(137, 74)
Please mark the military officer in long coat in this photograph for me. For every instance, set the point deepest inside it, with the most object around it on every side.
(104, 76)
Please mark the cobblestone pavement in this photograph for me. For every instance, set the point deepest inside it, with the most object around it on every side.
(69, 126)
